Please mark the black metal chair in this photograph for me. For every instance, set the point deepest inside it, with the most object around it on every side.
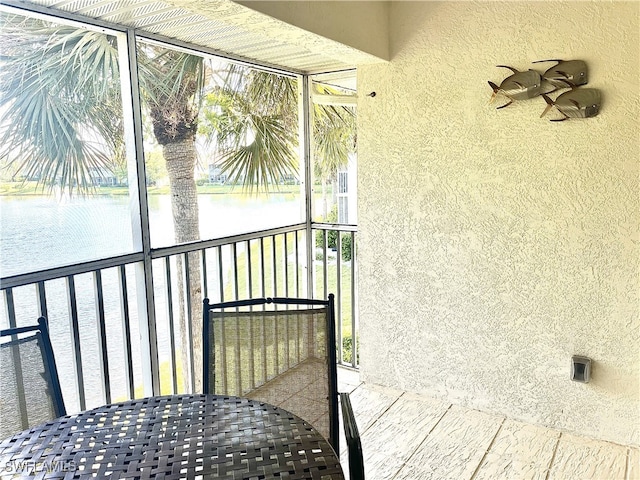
(30, 391)
(280, 351)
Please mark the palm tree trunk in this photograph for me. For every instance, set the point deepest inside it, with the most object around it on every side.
(180, 158)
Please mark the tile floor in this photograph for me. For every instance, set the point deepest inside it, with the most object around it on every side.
(413, 437)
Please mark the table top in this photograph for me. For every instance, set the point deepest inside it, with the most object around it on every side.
(178, 436)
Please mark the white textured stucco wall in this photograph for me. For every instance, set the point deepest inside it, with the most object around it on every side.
(495, 244)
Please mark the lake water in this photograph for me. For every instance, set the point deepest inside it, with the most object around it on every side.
(41, 232)
(37, 233)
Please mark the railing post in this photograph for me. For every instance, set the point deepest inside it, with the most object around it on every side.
(126, 330)
(10, 307)
(76, 352)
(42, 300)
(101, 331)
(338, 295)
(354, 302)
(189, 307)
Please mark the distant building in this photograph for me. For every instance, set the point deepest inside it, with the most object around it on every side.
(289, 179)
(346, 192)
(102, 177)
(216, 175)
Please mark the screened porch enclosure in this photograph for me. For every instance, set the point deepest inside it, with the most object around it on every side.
(232, 200)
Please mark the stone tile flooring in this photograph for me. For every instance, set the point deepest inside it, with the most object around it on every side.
(413, 437)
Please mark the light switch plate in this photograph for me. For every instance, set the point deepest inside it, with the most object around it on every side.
(580, 369)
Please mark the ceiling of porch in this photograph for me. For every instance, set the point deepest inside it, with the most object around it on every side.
(223, 27)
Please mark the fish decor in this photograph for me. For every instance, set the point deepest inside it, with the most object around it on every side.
(576, 103)
(519, 86)
(570, 73)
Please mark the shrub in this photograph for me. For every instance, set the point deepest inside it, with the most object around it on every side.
(332, 236)
(347, 350)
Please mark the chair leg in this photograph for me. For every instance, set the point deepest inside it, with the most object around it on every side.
(352, 435)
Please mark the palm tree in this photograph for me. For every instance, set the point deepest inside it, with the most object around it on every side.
(335, 139)
(254, 126)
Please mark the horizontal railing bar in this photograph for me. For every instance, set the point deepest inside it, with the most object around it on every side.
(104, 263)
(335, 226)
(217, 242)
(65, 271)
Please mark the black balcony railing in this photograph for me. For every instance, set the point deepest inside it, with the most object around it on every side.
(113, 332)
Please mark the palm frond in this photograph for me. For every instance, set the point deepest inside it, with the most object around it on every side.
(334, 138)
(55, 83)
(251, 117)
(267, 160)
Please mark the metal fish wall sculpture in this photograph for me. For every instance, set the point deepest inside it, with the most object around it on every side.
(576, 103)
(570, 73)
(519, 86)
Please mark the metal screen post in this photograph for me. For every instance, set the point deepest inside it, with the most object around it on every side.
(305, 114)
(132, 115)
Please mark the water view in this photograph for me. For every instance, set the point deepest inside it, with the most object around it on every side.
(39, 232)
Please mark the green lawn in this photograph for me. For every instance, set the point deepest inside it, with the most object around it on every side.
(292, 287)
(343, 310)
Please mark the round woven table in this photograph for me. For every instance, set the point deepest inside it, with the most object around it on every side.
(171, 437)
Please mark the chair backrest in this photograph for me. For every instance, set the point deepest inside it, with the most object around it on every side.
(29, 387)
(276, 350)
